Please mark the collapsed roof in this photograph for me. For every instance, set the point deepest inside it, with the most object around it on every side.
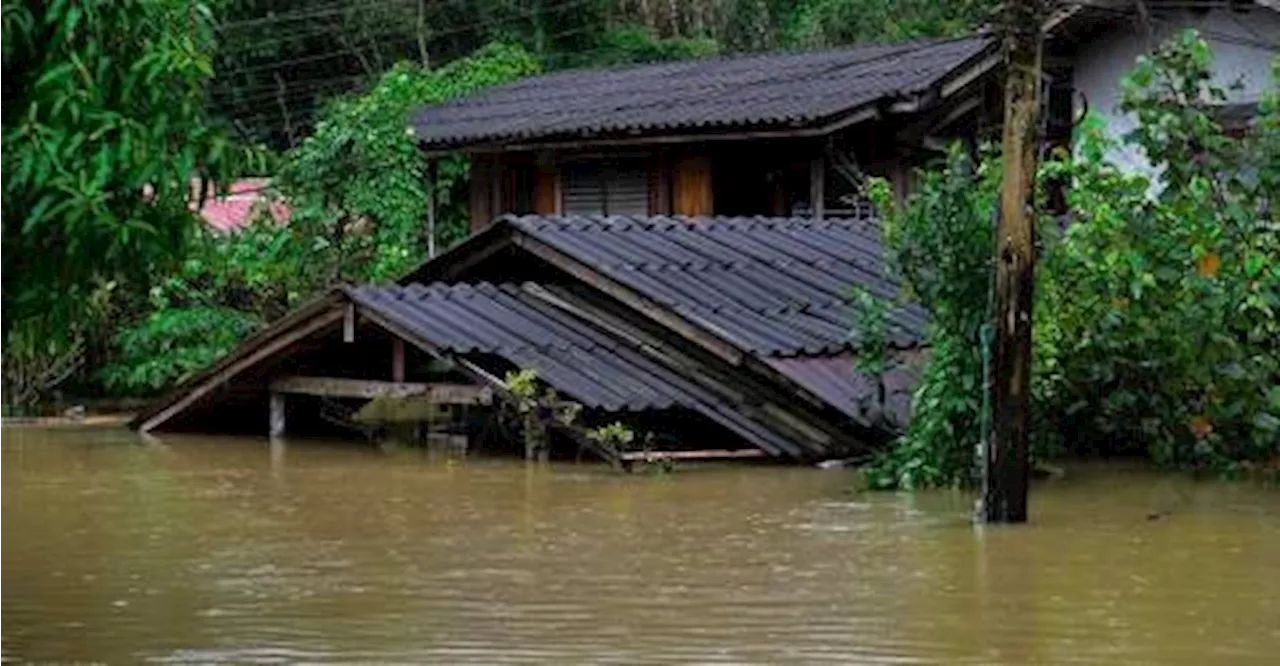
(816, 92)
(765, 291)
(742, 321)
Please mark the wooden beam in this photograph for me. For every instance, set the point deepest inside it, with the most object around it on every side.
(818, 186)
(284, 340)
(497, 172)
(708, 454)
(349, 323)
(341, 387)
(640, 303)
(864, 113)
(397, 360)
(277, 415)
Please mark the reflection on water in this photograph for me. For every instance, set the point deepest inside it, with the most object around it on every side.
(226, 550)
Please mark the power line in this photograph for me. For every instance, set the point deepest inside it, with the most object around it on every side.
(333, 9)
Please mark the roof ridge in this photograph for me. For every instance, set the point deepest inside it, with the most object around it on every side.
(721, 57)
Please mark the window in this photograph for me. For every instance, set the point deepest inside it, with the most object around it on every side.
(606, 187)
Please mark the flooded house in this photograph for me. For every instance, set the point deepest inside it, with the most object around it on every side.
(673, 246)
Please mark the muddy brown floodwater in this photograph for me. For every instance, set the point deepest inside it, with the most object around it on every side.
(205, 550)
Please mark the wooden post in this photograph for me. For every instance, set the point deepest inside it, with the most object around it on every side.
(431, 209)
(1008, 460)
(481, 196)
(397, 360)
(349, 323)
(818, 186)
(276, 428)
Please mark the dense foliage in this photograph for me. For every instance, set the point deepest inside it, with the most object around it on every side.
(105, 128)
(112, 108)
(1160, 319)
(358, 185)
(279, 60)
(941, 245)
(1157, 315)
(358, 192)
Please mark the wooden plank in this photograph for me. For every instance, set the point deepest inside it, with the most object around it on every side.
(397, 360)
(691, 192)
(707, 454)
(659, 184)
(818, 186)
(546, 200)
(641, 304)
(341, 387)
(349, 323)
(286, 339)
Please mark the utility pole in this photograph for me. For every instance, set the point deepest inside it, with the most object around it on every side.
(1008, 461)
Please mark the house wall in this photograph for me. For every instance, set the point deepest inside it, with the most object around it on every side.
(735, 178)
(1244, 44)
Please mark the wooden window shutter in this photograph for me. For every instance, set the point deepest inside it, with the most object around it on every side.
(605, 188)
(583, 189)
(691, 186)
(627, 189)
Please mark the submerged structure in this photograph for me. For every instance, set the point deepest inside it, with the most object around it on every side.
(726, 336)
(674, 246)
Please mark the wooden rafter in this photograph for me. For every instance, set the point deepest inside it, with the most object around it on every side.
(213, 380)
(341, 387)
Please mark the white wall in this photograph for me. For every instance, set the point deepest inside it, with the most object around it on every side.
(1244, 44)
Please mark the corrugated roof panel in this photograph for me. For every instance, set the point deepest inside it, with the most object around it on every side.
(582, 361)
(772, 286)
(766, 90)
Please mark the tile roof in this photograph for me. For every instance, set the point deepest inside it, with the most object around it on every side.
(778, 90)
(770, 286)
(836, 380)
(581, 361)
(234, 210)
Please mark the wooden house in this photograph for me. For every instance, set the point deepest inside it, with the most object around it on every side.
(719, 337)
(779, 135)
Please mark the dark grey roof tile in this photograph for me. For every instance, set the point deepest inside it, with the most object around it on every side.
(578, 359)
(772, 286)
(779, 90)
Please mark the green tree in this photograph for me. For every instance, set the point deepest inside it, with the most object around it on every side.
(104, 130)
(1157, 308)
(1164, 295)
(940, 244)
(358, 193)
(358, 185)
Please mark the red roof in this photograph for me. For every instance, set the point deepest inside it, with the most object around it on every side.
(235, 209)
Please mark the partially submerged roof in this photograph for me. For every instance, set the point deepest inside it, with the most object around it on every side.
(743, 321)
(816, 91)
(766, 288)
(770, 286)
(522, 325)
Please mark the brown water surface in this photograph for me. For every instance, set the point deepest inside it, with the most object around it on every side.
(204, 550)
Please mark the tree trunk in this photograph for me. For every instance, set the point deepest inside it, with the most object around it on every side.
(1008, 459)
